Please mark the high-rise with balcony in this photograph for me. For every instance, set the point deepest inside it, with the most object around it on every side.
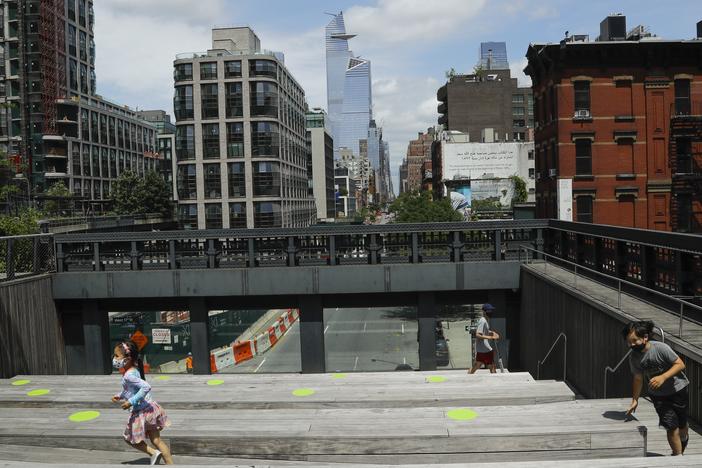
(53, 125)
(240, 146)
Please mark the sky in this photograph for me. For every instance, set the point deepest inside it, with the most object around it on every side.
(410, 43)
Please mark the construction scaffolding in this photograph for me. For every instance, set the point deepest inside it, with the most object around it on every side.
(685, 161)
(53, 60)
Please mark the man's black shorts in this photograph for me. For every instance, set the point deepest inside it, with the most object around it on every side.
(672, 409)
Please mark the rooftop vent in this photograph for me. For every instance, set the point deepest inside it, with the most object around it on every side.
(613, 28)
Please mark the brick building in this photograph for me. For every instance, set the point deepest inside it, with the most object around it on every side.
(418, 151)
(618, 130)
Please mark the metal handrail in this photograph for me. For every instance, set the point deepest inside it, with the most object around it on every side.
(682, 303)
(565, 355)
(609, 370)
(26, 236)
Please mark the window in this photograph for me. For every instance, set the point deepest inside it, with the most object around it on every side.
(517, 99)
(72, 40)
(235, 105)
(95, 161)
(183, 72)
(187, 216)
(266, 179)
(263, 68)
(531, 155)
(582, 95)
(113, 163)
(213, 184)
(86, 161)
(104, 163)
(213, 216)
(682, 97)
(584, 207)
(684, 159)
(583, 157)
(71, 10)
(685, 213)
(91, 16)
(83, 46)
(103, 129)
(519, 123)
(265, 139)
(84, 125)
(237, 180)
(210, 141)
(183, 103)
(75, 160)
(210, 108)
(81, 12)
(267, 214)
(73, 75)
(186, 183)
(185, 142)
(113, 132)
(264, 99)
(92, 51)
(92, 80)
(232, 69)
(94, 127)
(235, 140)
(237, 215)
(208, 71)
(531, 172)
(83, 79)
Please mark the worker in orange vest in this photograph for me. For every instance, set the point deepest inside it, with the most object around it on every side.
(189, 363)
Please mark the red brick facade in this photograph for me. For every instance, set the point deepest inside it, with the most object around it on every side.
(418, 151)
(630, 178)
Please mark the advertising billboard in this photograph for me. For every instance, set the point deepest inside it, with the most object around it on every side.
(470, 161)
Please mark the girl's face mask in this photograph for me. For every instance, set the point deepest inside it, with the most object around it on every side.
(118, 363)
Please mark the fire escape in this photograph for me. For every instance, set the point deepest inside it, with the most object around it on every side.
(685, 160)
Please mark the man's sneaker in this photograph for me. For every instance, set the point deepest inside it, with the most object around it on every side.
(155, 458)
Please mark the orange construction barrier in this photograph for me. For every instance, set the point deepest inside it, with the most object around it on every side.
(243, 351)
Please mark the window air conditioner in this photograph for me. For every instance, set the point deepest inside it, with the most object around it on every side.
(552, 172)
(582, 114)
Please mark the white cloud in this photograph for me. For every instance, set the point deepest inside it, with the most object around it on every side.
(180, 11)
(393, 21)
(517, 69)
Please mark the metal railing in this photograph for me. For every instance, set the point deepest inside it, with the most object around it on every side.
(25, 256)
(99, 221)
(609, 370)
(293, 247)
(553, 346)
(680, 304)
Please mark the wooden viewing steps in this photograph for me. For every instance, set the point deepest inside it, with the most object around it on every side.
(356, 418)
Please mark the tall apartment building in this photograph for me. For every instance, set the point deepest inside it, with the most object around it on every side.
(240, 144)
(403, 177)
(489, 98)
(165, 143)
(619, 129)
(321, 163)
(53, 125)
(418, 151)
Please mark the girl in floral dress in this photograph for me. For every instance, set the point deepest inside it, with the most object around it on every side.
(147, 418)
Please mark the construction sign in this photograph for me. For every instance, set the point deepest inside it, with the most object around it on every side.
(139, 339)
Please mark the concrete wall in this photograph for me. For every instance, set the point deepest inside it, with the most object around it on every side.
(30, 331)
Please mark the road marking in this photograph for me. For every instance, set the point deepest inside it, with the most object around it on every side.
(355, 363)
(404, 360)
(325, 329)
(403, 328)
(364, 326)
(337, 308)
(259, 366)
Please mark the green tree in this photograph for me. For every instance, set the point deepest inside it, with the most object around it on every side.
(26, 222)
(59, 194)
(418, 207)
(520, 190)
(134, 195)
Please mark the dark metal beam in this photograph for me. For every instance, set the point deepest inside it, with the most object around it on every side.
(312, 334)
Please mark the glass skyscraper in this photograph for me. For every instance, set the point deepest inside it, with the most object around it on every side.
(349, 98)
(493, 56)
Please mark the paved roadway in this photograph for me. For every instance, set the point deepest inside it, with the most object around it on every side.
(362, 339)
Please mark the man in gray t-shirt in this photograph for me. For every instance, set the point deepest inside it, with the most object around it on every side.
(483, 350)
(657, 365)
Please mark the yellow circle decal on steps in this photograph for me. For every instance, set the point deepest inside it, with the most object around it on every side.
(303, 392)
(338, 376)
(21, 382)
(83, 416)
(215, 382)
(39, 392)
(436, 379)
(163, 377)
(462, 414)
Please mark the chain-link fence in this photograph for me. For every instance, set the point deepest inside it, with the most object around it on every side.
(23, 256)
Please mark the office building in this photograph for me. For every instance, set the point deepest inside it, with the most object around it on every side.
(487, 98)
(321, 163)
(619, 130)
(240, 143)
